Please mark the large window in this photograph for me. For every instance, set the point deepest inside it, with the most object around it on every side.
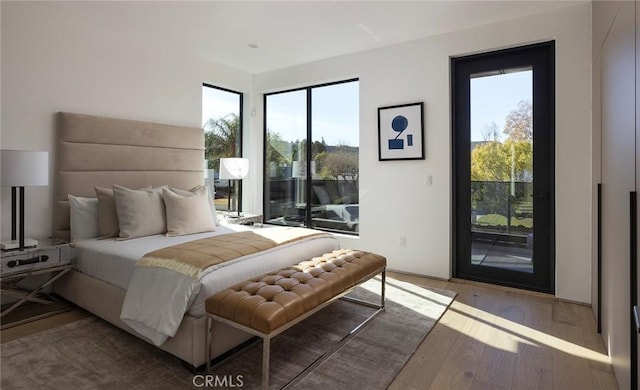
(222, 124)
(311, 157)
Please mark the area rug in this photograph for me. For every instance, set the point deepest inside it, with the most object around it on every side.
(92, 354)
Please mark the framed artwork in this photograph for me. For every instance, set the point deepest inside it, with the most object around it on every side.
(401, 132)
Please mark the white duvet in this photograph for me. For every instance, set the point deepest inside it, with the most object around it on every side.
(157, 298)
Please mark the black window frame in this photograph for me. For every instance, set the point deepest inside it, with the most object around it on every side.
(240, 135)
(308, 151)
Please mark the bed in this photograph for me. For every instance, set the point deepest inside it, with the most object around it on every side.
(97, 151)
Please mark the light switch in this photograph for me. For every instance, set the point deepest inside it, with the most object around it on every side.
(428, 180)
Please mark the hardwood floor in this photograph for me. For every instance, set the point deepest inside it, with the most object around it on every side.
(495, 338)
(490, 338)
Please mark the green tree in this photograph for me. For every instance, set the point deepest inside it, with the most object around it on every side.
(341, 162)
(277, 152)
(221, 139)
(489, 162)
(298, 146)
(492, 161)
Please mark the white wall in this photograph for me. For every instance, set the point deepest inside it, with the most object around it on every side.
(395, 202)
(54, 61)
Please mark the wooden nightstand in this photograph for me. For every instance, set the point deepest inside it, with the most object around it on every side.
(50, 258)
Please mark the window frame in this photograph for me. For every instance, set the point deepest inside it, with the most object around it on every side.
(308, 151)
(239, 151)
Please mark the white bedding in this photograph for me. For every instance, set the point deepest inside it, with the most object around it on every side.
(114, 262)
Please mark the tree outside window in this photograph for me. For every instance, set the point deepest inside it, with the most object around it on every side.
(222, 124)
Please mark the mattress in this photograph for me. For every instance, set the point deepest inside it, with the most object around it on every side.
(113, 261)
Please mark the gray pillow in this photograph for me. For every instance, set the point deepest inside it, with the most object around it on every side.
(188, 214)
(140, 213)
(194, 190)
(107, 214)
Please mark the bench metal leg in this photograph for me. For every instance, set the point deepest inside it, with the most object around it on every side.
(382, 289)
(266, 347)
(266, 338)
(207, 343)
(370, 304)
(352, 333)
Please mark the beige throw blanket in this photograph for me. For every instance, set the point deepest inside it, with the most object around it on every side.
(166, 281)
(191, 258)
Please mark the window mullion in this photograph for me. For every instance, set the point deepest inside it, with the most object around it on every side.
(308, 159)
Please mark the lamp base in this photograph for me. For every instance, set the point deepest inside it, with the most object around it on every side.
(15, 244)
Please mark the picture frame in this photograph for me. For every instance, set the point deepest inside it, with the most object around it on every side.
(401, 132)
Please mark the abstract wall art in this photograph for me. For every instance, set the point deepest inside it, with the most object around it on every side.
(401, 132)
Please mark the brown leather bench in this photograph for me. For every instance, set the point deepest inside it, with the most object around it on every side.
(267, 305)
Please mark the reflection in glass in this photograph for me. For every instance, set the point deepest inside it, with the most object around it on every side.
(285, 170)
(335, 152)
(320, 189)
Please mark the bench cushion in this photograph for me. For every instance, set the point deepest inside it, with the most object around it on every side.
(269, 301)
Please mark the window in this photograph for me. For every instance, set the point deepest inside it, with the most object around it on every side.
(222, 124)
(328, 116)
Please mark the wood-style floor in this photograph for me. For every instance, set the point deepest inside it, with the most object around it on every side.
(499, 338)
(489, 338)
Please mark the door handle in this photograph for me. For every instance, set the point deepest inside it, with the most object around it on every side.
(636, 318)
(541, 195)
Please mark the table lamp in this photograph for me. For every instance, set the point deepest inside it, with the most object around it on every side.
(233, 168)
(20, 169)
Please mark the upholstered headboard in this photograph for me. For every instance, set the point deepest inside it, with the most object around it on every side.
(97, 151)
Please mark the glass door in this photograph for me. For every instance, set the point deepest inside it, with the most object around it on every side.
(503, 166)
(502, 169)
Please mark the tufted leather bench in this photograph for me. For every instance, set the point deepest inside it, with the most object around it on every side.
(269, 304)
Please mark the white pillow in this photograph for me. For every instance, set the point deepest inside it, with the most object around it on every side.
(188, 214)
(84, 218)
(140, 213)
(212, 206)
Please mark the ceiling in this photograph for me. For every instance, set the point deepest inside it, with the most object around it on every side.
(291, 32)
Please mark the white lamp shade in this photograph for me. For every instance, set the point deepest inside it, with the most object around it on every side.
(21, 168)
(234, 168)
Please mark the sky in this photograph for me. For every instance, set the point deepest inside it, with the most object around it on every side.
(217, 103)
(336, 113)
(493, 97)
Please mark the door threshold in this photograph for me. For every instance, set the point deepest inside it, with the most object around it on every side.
(504, 288)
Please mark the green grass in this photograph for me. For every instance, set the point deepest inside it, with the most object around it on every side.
(501, 220)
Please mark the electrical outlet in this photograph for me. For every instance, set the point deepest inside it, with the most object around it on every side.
(403, 241)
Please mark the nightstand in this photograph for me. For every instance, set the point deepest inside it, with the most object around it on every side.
(244, 219)
(51, 259)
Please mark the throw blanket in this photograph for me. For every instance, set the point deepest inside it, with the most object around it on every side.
(194, 257)
(166, 281)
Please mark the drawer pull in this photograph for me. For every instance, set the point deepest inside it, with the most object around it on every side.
(33, 260)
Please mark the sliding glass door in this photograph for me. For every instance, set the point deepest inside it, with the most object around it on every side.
(312, 157)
